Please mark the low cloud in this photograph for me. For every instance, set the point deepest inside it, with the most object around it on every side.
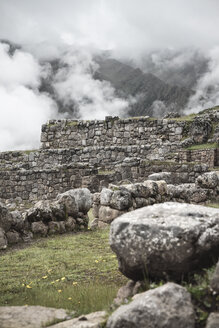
(23, 108)
(75, 84)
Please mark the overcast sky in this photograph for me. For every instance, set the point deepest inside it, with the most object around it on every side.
(169, 30)
(127, 26)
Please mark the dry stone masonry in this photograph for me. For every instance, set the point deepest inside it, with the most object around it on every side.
(92, 154)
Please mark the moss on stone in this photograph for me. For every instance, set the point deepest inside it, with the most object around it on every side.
(203, 146)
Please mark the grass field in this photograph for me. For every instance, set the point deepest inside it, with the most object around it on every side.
(76, 272)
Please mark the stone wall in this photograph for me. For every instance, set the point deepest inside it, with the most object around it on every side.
(139, 131)
(34, 184)
(93, 154)
(208, 156)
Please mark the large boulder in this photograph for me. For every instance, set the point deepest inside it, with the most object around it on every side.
(165, 240)
(83, 198)
(167, 306)
(5, 218)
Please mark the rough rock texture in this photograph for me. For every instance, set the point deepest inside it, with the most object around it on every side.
(167, 306)
(165, 240)
(116, 200)
(214, 283)
(29, 316)
(108, 214)
(166, 176)
(92, 320)
(213, 320)
(208, 180)
(5, 218)
(82, 197)
(129, 290)
(3, 239)
(189, 193)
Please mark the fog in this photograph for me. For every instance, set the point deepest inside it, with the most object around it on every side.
(173, 39)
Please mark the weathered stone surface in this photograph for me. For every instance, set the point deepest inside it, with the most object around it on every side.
(208, 180)
(94, 224)
(108, 214)
(102, 225)
(54, 227)
(18, 222)
(121, 200)
(70, 204)
(29, 316)
(138, 190)
(105, 196)
(27, 236)
(167, 306)
(188, 192)
(165, 240)
(165, 176)
(213, 320)
(214, 283)
(127, 291)
(13, 237)
(92, 320)
(70, 224)
(3, 239)
(83, 198)
(39, 228)
(152, 186)
(200, 129)
(5, 218)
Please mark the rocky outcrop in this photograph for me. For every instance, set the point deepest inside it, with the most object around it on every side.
(92, 320)
(208, 180)
(29, 316)
(116, 200)
(165, 240)
(167, 306)
(213, 320)
(68, 212)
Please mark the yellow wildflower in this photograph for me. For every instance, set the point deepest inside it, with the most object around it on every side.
(49, 270)
(96, 261)
(59, 291)
(52, 282)
(44, 277)
(74, 283)
(57, 280)
(28, 286)
(63, 278)
(69, 298)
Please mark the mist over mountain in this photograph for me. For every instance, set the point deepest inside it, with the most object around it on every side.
(91, 59)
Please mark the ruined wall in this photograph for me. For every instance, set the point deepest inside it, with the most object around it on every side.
(113, 131)
(93, 154)
(208, 156)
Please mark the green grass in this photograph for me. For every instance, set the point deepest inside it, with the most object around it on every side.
(106, 172)
(203, 146)
(214, 205)
(76, 272)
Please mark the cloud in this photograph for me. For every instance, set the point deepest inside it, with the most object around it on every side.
(207, 87)
(74, 83)
(23, 108)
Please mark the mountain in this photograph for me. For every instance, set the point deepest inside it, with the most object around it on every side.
(146, 88)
